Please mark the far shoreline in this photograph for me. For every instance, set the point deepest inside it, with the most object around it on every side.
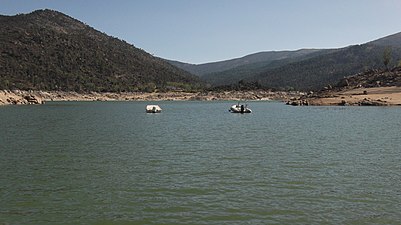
(373, 96)
(376, 96)
(21, 97)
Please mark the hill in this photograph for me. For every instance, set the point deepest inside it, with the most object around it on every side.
(47, 50)
(304, 69)
(234, 75)
(261, 58)
(313, 73)
(391, 40)
(317, 72)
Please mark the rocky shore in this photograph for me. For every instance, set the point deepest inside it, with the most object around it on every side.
(18, 97)
(370, 88)
(378, 96)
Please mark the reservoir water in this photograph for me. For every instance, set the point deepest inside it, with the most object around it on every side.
(195, 163)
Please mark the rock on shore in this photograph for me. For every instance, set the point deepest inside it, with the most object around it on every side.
(39, 97)
(375, 96)
(18, 97)
(378, 96)
(370, 88)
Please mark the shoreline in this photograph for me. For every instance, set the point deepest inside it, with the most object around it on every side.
(20, 97)
(373, 96)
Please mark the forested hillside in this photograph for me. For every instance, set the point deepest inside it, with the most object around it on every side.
(306, 70)
(234, 75)
(260, 58)
(320, 71)
(47, 50)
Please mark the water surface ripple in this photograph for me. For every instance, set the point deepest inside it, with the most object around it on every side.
(195, 163)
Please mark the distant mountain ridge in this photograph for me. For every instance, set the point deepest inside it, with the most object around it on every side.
(234, 75)
(393, 40)
(308, 71)
(318, 72)
(48, 50)
(214, 67)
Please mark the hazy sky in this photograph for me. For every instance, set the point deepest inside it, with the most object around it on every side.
(198, 31)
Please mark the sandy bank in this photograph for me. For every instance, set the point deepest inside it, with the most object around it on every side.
(20, 97)
(377, 96)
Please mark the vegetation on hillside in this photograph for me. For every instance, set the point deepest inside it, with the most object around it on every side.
(307, 71)
(261, 58)
(235, 75)
(47, 50)
(317, 72)
(238, 86)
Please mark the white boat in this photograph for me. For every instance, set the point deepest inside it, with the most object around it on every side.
(239, 108)
(153, 109)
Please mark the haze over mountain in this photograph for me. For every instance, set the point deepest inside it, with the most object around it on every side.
(310, 70)
(47, 50)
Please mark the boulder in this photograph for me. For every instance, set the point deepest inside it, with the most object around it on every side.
(343, 83)
(12, 100)
(31, 99)
(343, 103)
(367, 102)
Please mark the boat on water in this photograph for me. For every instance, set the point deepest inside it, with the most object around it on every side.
(240, 108)
(153, 109)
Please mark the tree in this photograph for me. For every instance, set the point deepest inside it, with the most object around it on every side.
(387, 57)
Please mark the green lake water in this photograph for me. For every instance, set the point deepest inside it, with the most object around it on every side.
(196, 163)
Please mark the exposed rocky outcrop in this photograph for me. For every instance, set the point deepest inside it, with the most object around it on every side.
(17, 97)
(300, 101)
(370, 88)
(372, 78)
